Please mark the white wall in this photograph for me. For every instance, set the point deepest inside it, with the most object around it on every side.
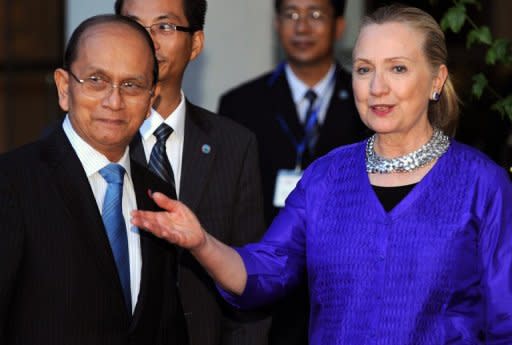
(78, 10)
(240, 43)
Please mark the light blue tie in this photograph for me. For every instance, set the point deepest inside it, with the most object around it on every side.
(115, 226)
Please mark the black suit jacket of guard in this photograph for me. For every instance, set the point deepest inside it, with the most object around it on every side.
(220, 183)
(59, 280)
(257, 104)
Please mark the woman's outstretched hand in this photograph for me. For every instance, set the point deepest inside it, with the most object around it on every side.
(177, 224)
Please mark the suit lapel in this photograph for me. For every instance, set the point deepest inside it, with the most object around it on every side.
(340, 111)
(150, 256)
(198, 155)
(281, 100)
(78, 199)
(137, 150)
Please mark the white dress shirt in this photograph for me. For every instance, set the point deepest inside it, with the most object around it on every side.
(92, 162)
(174, 144)
(323, 89)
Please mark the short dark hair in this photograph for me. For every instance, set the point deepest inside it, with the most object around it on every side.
(337, 5)
(73, 45)
(195, 11)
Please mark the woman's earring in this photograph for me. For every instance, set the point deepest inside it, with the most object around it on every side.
(435, 96)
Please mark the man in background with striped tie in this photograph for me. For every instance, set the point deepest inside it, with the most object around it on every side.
(299, 111)
(210, 162)
(73, 269)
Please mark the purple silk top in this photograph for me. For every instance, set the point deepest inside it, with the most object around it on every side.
(434, 270)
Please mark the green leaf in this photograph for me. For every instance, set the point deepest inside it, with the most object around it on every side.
(480, 82)
(504, 107)
(454, 18)
(498, 52)
(479, 35)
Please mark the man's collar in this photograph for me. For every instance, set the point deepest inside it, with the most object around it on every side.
(92, 160)
(299, 88)
(176, 120)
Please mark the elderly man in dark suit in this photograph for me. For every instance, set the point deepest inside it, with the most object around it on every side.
(210, 161)
(74, 270)
(299, 111)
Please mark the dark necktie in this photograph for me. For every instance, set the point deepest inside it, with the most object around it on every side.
(113, 220)
(158, 161)
(311, 126)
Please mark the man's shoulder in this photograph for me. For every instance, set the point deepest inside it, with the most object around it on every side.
(22, 156)
(217, 126)
(249, 87)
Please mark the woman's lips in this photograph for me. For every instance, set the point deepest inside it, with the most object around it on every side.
(382, 109)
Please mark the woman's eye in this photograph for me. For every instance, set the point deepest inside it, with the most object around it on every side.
(400, 69)
(362, 70)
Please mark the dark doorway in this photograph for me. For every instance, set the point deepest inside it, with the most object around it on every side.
(31, 45)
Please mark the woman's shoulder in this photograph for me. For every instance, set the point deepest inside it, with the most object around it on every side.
(475, 170)
(473, 160)
(339, 161)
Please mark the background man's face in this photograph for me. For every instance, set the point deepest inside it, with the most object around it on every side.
(306, 40)
(173, 51)
(115, 53)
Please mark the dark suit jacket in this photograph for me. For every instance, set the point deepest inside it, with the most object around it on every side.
(222, 186)
(257, 104)
(59, 280)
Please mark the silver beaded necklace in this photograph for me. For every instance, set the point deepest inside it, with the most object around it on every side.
(433, 149)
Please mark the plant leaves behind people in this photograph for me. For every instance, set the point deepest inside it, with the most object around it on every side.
(498, 52)
(479, 35)
(471, 2)
(480, 82)
(454, 18)
(504, 107)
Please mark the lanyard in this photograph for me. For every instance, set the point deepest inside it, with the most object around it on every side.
(300, 146)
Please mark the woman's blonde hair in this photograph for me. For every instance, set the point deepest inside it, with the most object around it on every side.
(443, 113)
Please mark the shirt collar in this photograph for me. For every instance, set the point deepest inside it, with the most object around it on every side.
(92, 160)
(299, 88)
(176, 120)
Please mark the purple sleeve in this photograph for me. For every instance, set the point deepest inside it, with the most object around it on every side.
(496, 254)
(277, 263)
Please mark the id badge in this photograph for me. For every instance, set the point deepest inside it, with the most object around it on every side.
(285, 182)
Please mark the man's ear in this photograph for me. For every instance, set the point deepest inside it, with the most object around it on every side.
(61, 78)
(340, 25)
(277, 23)
(197, 44)
(155, 99)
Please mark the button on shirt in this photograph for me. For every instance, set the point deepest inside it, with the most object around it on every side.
(324, 90)
(92, 162)
(174, 144)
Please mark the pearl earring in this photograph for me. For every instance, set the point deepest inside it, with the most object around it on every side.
(436, 96)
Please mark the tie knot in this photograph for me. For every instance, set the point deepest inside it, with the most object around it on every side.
(113, 173)
(311, 96)
(162, 132)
